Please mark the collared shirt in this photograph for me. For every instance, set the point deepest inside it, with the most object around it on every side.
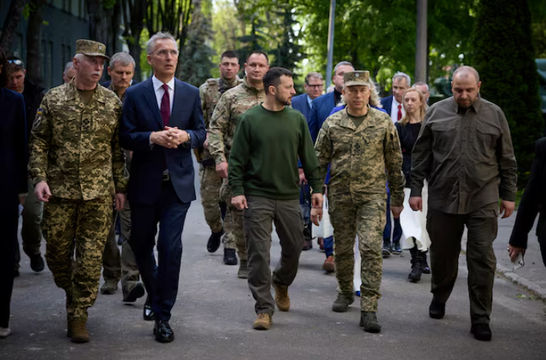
(309, 101)
(158, 89)
(466, 155)
(394, 110)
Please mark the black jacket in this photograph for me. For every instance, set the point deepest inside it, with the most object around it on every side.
(33, 95)
(533, 201)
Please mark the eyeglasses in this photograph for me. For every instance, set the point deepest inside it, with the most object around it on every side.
(315, 86)
(16, 62)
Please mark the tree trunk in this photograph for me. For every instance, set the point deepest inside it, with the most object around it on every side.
(98, 21)
(13, 18)
(34, 39)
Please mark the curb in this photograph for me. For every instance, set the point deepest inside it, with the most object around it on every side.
(529, 285)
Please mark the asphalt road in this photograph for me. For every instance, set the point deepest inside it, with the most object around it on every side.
(213, 317)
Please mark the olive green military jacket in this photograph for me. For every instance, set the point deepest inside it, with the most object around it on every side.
(75, 147)
(362, 159)
(210, 93)
(231, 106)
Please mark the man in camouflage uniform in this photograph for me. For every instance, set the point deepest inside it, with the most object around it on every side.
(77, 166)
(231, 106)
(210, 93)
(362, 146)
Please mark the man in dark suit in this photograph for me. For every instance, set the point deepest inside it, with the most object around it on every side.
(161, 122)
(13, 162)
(303, 103)
(393, 106)
(532, 203)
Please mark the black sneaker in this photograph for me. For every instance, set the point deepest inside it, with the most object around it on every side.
(386, 252)
(229, 257)
(396, 249)
(214, 241)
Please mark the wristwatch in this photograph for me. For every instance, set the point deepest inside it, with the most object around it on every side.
(189, 136)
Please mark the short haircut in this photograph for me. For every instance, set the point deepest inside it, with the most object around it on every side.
(229, 54)
(273, 77)
(123, 58)
(341, 63)
(4, 73)
(470, 69)
(402, 75)
(69, 65)
(312, 75)
(258, 52)
(158, 36)
(420, 83)
(15, 64)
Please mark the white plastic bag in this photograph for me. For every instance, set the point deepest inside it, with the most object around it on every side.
(325, 229)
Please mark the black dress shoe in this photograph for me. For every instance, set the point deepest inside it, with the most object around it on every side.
(163, 332)
(307, 245)
(136, 292)
(436, 310)
(37, 263)
(229, 257)
(148, 313)
(481, 332)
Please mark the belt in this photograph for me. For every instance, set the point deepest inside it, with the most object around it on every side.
(166, 176)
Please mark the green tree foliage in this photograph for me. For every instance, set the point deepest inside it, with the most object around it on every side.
(504, 56)
(195, 64)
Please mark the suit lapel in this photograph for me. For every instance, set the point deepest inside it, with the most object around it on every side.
(149, 96)
(178, 94)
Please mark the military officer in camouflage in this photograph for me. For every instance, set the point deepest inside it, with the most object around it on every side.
(231, 106)
(211, 182)
(77, 167)
(362, 146)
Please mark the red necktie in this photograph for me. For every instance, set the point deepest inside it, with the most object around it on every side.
(399, 112)
(165, 110)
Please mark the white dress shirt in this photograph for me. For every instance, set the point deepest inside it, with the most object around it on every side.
(309, 101)
(394, 110)
(158, 89)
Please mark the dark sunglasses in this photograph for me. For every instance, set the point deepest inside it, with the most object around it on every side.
(16, 62)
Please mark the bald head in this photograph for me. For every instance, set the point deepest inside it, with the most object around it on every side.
(465, 86)
(466, 71)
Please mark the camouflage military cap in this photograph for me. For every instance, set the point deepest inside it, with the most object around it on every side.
(91, 48)
(359, 77)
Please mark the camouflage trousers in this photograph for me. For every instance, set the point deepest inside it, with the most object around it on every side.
(233, 223)
(210, 197)
(82, 226)
(367, 220)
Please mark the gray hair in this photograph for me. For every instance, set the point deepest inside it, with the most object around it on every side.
(123, 58)
(79, 57)
(420, 83)
(158, 36)
(312, 75)
(69, 65)
(402, 75)
(467, 69)
(341, 63)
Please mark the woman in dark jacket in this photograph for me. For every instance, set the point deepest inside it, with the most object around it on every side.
(13, 162)
(415, 236)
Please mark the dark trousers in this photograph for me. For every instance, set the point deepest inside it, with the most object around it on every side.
(161, 280)
(446, 231)
(257, 224)
(9, 214)
(397, 231)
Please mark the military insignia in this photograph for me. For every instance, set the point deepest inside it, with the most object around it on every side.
(357, 75)
(39, 111)
(100, 47)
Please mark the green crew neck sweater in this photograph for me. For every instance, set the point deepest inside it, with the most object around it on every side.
(264, 157)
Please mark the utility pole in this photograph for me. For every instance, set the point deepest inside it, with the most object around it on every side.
(330, 43)
(421, 44)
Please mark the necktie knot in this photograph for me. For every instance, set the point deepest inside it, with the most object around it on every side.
(399, 115)
(399, 106)
(166, 88)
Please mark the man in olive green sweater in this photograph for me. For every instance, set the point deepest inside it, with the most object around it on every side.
(263, 175)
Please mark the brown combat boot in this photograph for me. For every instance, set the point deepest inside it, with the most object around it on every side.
(281, 297)
(77, 331)
(262, 322)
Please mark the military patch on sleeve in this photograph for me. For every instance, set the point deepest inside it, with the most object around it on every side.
(38, 119)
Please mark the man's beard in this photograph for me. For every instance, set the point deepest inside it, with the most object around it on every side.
(285, 102)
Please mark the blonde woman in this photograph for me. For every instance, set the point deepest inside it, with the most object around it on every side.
(415, 236)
